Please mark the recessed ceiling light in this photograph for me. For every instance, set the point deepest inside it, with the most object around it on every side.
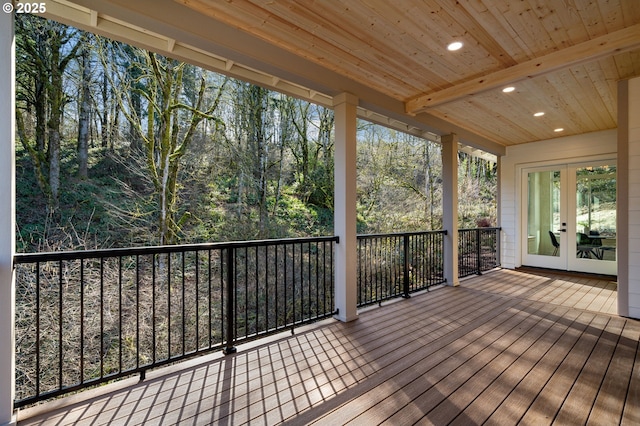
(456, 45)
(559, 129)
(538, 114)
(508, 89)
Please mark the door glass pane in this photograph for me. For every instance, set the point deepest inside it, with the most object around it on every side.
(543, 225)
(596, 213)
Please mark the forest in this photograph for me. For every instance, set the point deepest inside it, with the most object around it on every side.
(120, 147)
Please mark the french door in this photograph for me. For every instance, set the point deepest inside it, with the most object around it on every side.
(570, 217)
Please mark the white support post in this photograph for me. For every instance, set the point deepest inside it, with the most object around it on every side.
(7, 218)
(450, 207)
(628, 199)
(346, 260)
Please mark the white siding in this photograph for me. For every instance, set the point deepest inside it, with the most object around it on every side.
(633, 119)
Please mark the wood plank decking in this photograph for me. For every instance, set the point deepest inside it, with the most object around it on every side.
(508, 347)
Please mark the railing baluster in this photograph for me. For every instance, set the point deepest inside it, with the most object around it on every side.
(295, 291)
(284, 279)
(184, 314)
(60, 320)
(169, 306)
(101, 317)
(210, 301)
(119, 314)
(309, 312)
(38, 328)
(230, 349)
(275, 285)
(223, 305)
(266, 287)
(138, 313)
(405, 244)
(302, 310)
(153, 308)
(81, 319)
(197, 293)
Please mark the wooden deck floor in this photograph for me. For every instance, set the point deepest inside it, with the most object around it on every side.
(507, 347)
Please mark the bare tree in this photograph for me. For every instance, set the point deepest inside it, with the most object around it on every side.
(84, 115)
(168, 128)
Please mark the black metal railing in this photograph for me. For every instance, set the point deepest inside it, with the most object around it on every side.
(87, 317)
(395, 265)
(478, 250)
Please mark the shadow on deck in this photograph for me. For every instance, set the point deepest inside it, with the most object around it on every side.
(506, 347)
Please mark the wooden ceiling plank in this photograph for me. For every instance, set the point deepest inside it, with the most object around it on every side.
(517, 112)
(555, 101)
(611, 15)
(244, 15)
(477, 31)
(428, 31)
(521, 17)
(627, 64)
(557, 31)
(588, 96)
(498, 128)
(382, 44)
(439, 30)
(578, 119)
(497, 29)
(447, 23)
(593, 49)
(329, 24)
(571, 22)
(504, 33)
(630, 12)
(593, 20)
(584, 109)
(605, 90)
(421, 36)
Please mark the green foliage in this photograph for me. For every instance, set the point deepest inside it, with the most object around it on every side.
(162, 167)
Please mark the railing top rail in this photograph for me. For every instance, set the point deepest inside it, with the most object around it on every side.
(400, 234)
(483, 228)
(20, 258)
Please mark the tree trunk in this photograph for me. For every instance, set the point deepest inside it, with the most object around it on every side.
(104, 117)
(55, 117)
(54, 166)
(85, 113)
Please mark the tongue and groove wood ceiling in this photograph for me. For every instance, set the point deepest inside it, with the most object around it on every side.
(563, 57)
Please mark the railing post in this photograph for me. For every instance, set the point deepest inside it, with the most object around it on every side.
(449, 145)
(478, 252)
(405, 241)
(231, 285)
(498, 253)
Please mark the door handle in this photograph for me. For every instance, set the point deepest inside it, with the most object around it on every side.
(563, 230)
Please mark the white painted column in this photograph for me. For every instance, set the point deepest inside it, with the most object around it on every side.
(345, 206)
(7, 218)
(450, 207)
(628, 201)
(499, 204)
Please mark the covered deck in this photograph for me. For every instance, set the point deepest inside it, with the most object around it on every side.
(506, 347)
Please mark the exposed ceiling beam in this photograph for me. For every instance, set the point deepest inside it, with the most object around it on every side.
(588, 51)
